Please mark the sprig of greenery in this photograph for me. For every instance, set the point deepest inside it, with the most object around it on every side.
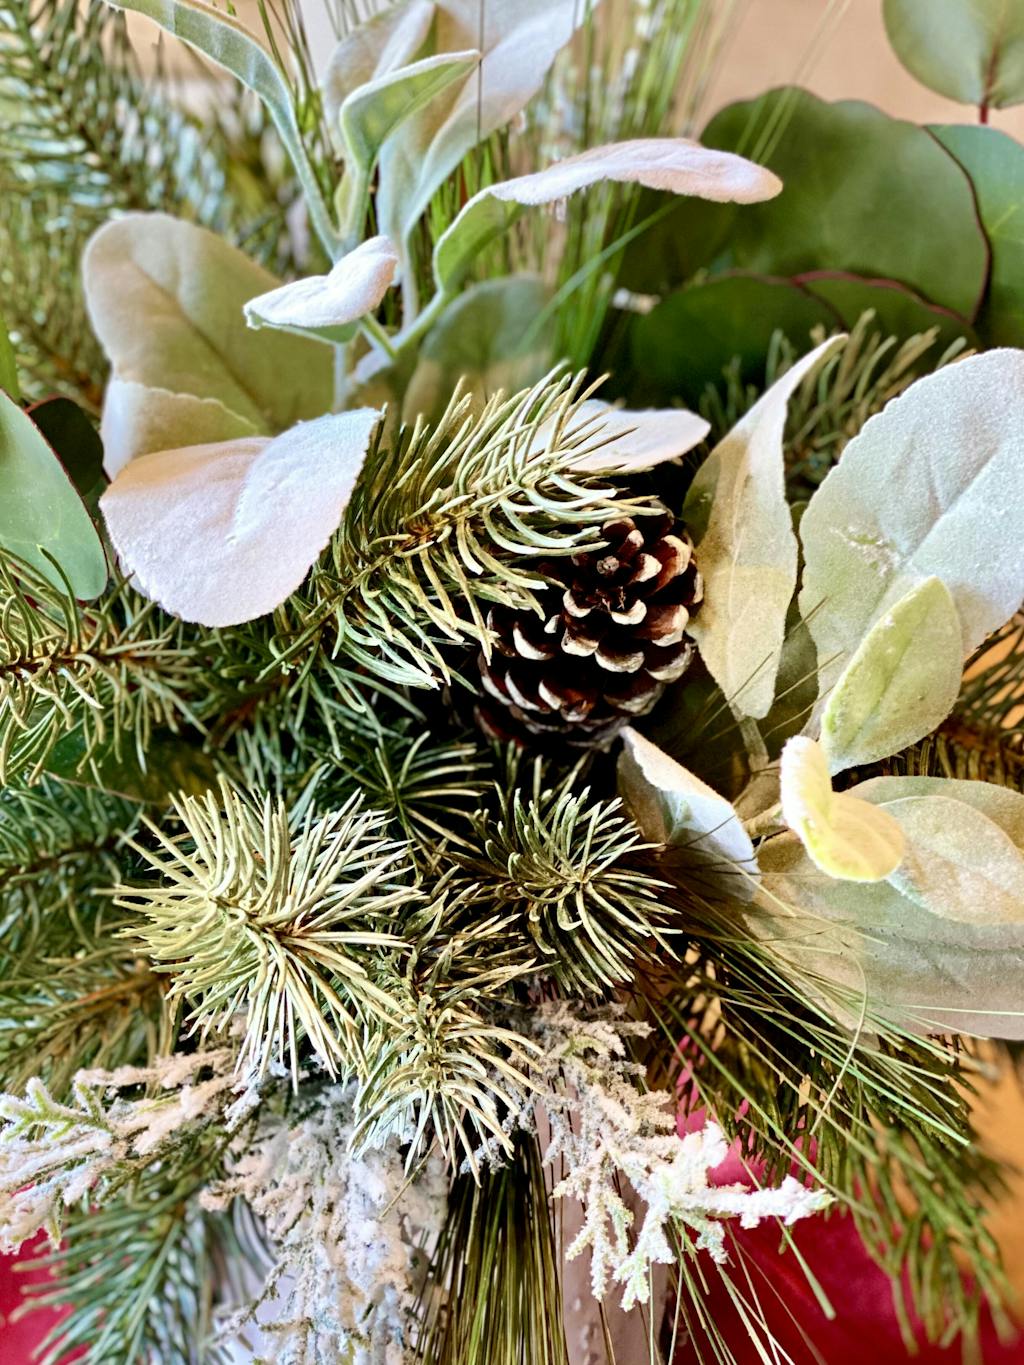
(271, 912)
(112, 672)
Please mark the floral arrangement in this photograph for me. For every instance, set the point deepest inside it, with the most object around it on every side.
(516, 714)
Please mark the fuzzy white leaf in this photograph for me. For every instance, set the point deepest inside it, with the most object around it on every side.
(624, 440)
(677, 165)
(381, 46)
(328, 306)
(223, 533)
(901, 683)
(932, 486)
(847, 838)
(138, 419)
(675, 808)
(746, 548)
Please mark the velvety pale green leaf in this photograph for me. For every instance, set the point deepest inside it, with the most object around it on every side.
(386, 42)
(865, 194)
(937, 973)
(674, 164)
(139, 419)
(480, 340)
(372, 112)
(1001, 804)
(624, 440)
(995, 163)
(8, 367)
(971, 51)
(675, 808)
(687, 340)
(40, 509)
(73, 439)
(958, 863)
(518, 43)
(899, 312)
(221, 534)
(166, 299)
(900, 684)
(932, 486)
(846, 838)
(329, 307)
(223, 38)
(746, 549)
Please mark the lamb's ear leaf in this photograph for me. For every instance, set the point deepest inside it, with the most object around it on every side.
(8, 366)
(675, 808)
(900, 684)
(936, 973)
(221, 534)
(955, 442)
(222, 37)
(386, 42)
(42, 517)
(328, 307)
(846, 838)
(165, 299)
(746, 548)
(677, 165)
(972, 53)
(518, 44)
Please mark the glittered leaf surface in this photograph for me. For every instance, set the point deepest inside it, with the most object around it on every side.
(953, 447)
(900, 684)
(746, 549)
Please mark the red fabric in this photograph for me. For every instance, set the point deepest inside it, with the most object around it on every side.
(18, 1338)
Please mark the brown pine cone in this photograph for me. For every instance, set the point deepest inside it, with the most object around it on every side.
(612, 634)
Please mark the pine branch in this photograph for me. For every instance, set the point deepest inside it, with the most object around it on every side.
(563, 868)
(110, 672)
(274, 913)
(443, 523)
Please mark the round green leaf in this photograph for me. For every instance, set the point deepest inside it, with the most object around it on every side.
(73, 439)
(686, 342)
(995, 164)
(899, 312)
(971, 51)
(40, 511)
(864, 193)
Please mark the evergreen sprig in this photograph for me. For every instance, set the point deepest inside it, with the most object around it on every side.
(445, 521)
(273, 912)
(110, 672)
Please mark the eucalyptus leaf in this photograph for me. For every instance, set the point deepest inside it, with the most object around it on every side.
(866, 194)
(971, 51)
(42, 517)
(480, 341)
(936, 973)
(951, 449)
(846, 838)
(73, 439)
(8, 365)
(900, 684)
(677, 165)
(995, 164)
(746, 548)
(676, 809)
(221, 534)
(686, 342)
(899, 312)
(165, 299)
(222, 37)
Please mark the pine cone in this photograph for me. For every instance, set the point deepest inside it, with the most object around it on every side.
(611, 636)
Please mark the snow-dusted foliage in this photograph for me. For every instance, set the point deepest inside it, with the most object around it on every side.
(348, 1234)
(605, 1128)
(54, 1154)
